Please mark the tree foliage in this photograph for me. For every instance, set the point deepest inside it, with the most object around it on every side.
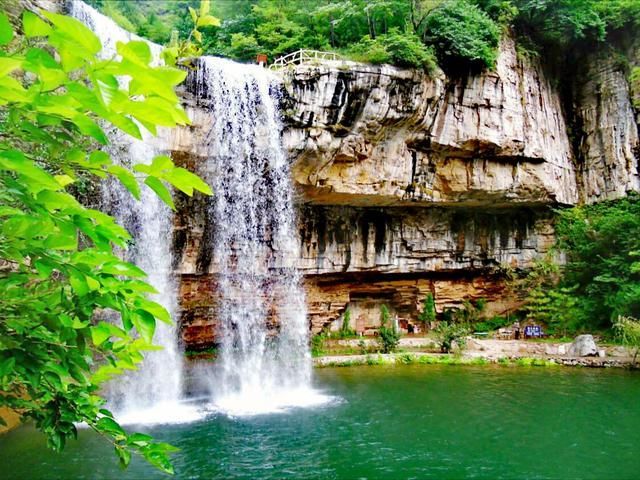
(462, 35)
(428, 313)
(388, 335)
(602, 246)
(449, 333)
(59, 274)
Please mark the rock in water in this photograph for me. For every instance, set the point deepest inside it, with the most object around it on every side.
(583, 346)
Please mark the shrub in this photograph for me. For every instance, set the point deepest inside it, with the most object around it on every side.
(627, 330)
(244, 47)
(462, 35)
(491, 324)
(396, 48)
(388, 335)
(449, 333)
(345, 330)
(317, 344)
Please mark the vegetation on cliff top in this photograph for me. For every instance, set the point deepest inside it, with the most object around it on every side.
(458, 33)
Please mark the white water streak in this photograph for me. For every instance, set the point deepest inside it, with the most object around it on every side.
(255, 245)
(153, 392)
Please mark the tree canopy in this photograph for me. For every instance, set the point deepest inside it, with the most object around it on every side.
(460, 33)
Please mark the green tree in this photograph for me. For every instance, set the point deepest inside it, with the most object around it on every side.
(401, 49)
(449, 334)
(602, 247)
(428, 313)
(462, 35)
(59, 274)
(345, 330)
(388, 335)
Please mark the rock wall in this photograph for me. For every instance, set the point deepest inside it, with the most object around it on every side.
(412, 184)
(366, 135)
(606, 128)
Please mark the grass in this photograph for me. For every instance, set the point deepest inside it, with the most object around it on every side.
(412, 359)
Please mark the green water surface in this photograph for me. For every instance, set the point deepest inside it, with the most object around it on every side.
(398, 422)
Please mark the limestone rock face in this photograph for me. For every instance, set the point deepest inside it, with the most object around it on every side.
(583, 346)
(367, 135)
(607, 143)
(412, 184)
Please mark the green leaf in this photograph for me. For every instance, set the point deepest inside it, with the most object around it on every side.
(34, 26)
(161, 163)
(99, 158)
(127, 179)
(145, 324)
(186, 182)
(89, 127)
(73, 31)
(154, 309)
(139, 439)
(6, 32)
(64, 180)
(6, 366)
(8, 65)
(122, 268)
(205, 6)
(103, 331)
(124, 455)
(15, 161)
(78, 283)
(135, 51)
(110, 426)
(162, 192)
(208, 21)
(194, 15)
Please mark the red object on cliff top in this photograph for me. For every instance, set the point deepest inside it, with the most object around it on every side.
(261, 59)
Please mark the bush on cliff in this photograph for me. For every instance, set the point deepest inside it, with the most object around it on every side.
(462, 35)
(401, 49)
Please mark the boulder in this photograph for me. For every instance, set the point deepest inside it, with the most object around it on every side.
(583, 346)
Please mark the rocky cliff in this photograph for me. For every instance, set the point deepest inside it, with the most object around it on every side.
(412, 183)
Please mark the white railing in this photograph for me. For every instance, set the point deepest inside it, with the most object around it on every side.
(304, 56)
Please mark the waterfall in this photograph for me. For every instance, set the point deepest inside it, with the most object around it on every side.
(264, 364)
(152, 393)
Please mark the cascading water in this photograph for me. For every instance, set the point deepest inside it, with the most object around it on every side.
(264, 363)
(152, 393)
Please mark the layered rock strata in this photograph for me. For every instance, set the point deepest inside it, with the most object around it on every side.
(412, 184)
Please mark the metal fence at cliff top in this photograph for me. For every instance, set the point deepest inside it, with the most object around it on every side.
(300, 57)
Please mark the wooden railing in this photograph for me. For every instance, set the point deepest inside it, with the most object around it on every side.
(304, 56)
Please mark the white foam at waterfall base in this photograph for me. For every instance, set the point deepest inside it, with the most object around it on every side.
(261, 402)
(255, 246)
